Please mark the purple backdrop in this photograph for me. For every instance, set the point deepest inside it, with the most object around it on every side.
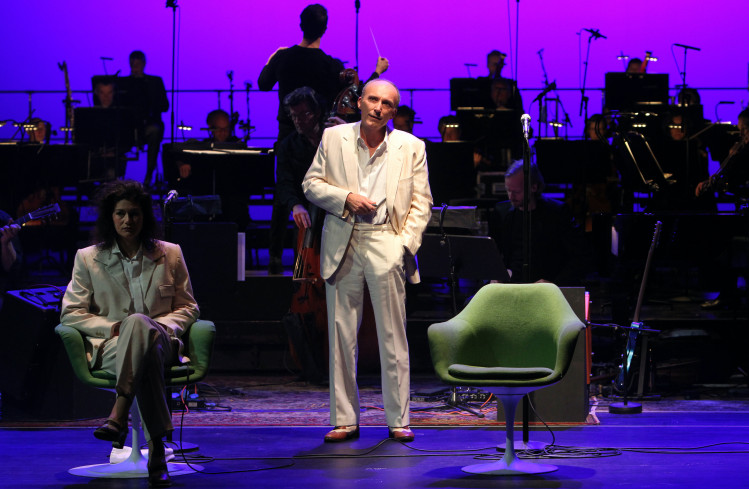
(427, 43)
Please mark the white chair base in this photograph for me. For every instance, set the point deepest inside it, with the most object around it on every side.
(136, 464)
(509, 464)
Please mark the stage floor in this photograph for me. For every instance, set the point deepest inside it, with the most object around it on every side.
(296, 457)
(657, 448)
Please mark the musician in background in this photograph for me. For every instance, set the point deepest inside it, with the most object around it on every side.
(404, 119)
(733, 173)
(556, 249)
(8, 243)
(495, 61)
(39, 132)
(302, 65)
(634, 65)
(306, 65)
(219, 129)
(297, 150)
(104, 93)
(505, 95)
(146, 93)
(732, 176)
(449, 128)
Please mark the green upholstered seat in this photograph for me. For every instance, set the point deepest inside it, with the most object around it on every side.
(510, 339)
(198, 348)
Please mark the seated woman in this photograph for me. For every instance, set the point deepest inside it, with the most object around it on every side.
(131, 297)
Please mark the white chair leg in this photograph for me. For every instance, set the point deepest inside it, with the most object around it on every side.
(136, 465)
(509, 464)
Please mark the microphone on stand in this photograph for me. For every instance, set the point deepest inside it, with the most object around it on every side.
(687, 47)
(170, 197)
(596, 34)
(551, 86)
(526, 120)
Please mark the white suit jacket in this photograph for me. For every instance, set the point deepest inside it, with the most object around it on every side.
(334, 174)
(98, 295)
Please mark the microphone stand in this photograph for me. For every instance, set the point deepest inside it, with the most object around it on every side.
(526, 257)
(232, 118)
(444, 240)
(357, 6)
(542, 109)
(584, 99)
(172, 4)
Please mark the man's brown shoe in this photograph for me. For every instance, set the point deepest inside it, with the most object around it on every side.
(342, 433)
(401, 434)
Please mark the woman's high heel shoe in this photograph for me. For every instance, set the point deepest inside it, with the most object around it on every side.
(158, 475)
(112, 431)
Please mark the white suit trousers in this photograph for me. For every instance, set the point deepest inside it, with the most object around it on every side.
(374, 257)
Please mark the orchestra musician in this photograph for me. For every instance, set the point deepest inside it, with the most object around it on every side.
(373, 184)
(557, 248)
(8, 243)
(39, 131)
(734, 171)
(732, 176)
(130, 296)
(146, 93)
(219, 130)
(302, 65)
(297, 150)
(404, 119)
(495, 61)
(104, 93)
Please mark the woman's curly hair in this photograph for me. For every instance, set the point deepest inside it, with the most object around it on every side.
(107, 197)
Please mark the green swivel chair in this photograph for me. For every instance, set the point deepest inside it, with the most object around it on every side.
(509, 340)
(198, 347)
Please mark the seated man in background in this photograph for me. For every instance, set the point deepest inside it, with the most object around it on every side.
(449, 128)
(104, 91)
(38, 131)
(556, 246)
(404, 119)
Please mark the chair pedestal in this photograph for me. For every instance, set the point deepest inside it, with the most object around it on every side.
(136, 464)
(509, 464)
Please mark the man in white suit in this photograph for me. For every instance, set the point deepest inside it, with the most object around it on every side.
(373, 183)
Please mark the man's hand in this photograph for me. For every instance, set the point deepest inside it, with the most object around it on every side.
(334, 121)
(7, 233)
(274, 53)
(701, 187)
(301, 217)
(382, 65)
(359, 205)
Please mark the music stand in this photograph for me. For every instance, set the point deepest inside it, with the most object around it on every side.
(473, 257)
(451, 170)
(470, 93)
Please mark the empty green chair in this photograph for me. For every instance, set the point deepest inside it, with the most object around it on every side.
(511, 339)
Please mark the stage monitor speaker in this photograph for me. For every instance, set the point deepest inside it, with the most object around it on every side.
(36, 379)
(210, 251)
(567, 400)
